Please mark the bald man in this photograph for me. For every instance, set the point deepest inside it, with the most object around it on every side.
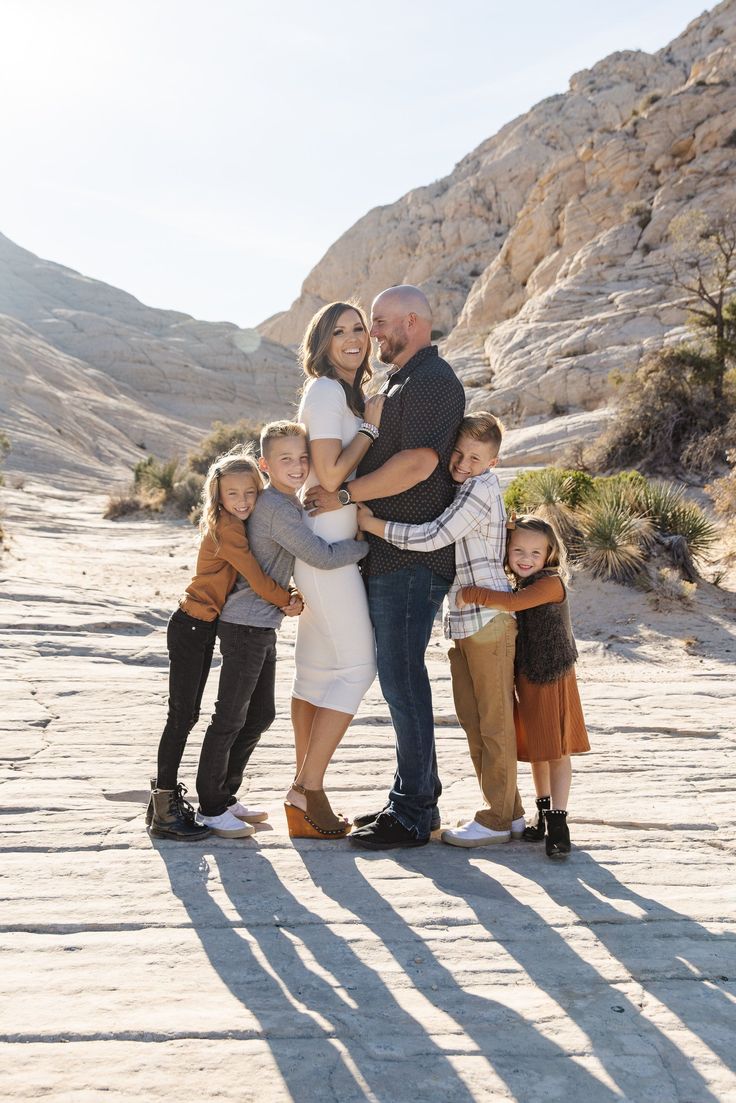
(404, 477)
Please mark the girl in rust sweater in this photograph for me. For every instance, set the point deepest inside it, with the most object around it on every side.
(229, 495)
(549, 717)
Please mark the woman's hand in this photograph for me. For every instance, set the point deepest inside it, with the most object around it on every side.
(374, 409)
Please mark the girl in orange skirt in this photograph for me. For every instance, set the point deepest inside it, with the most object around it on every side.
(548, 714)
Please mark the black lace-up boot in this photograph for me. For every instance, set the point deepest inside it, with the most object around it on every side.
(557, 841)
(173, 816)
(536, 831)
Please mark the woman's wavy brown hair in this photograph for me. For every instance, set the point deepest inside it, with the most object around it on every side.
(315, 345)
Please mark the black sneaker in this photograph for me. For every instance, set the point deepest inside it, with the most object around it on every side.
(371, 817)
(385, 833)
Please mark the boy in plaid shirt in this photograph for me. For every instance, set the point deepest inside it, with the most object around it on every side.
(483, 640)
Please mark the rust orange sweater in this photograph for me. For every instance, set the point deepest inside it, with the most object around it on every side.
(545, 591)
(218, 565)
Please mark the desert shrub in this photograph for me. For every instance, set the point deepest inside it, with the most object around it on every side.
(673, 516)
(123, 505)
(4, 449)
(221, 439)
(638, 212)
(187, 494)
(546, 486)
(613, 540)
(668, 588)
(155, 474)
(664, 407)
(723, 491)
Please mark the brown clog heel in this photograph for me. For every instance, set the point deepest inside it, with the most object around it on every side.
(317, 821)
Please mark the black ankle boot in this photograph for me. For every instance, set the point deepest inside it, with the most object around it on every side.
(173, 816)
(149, 810)
(557, 841)
(536, 831)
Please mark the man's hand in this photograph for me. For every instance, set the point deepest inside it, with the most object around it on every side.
(318, 500)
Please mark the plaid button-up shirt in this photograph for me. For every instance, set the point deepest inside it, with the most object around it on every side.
(476, 523)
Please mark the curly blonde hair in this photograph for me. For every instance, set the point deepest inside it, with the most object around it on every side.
(239, 460)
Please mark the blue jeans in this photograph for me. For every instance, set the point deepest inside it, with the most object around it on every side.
(403, 605)
(244, 709)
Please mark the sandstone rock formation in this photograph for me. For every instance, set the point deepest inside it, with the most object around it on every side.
(91, 378)
(546, 251)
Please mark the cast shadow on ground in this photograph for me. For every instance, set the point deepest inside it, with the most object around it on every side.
(303, 980)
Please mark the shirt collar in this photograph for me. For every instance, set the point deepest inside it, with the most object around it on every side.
(418, 358)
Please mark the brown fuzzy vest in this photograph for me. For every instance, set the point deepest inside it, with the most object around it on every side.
(545, 646)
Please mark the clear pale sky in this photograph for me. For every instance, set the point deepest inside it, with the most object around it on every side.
(204, 155)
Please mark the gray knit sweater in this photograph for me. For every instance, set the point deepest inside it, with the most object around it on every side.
(277, 535)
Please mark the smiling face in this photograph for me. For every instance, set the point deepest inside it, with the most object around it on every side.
(238, 494)
(286, 460)
(471, 457)
(348, 345)
(389, 327)
(527, 552)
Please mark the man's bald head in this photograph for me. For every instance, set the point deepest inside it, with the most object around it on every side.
(401, 320)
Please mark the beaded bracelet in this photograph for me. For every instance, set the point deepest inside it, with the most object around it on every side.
(369, 430)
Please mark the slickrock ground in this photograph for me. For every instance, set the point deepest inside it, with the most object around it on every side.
(268, 970)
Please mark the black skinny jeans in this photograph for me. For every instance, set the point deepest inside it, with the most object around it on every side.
(190, 643)
(243, 711)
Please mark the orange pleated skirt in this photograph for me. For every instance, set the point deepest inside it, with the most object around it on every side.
(549, 719)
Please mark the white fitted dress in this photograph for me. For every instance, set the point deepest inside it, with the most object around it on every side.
(335, 656)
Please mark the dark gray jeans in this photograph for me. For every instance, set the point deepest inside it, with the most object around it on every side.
(244, 709)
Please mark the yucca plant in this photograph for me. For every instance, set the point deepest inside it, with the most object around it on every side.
(552, 494)
(612, 542)
(673, 516)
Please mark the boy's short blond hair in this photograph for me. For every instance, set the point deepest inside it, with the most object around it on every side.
(276, 429)
(482, 426)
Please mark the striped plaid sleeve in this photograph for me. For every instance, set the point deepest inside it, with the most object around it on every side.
(465, 514)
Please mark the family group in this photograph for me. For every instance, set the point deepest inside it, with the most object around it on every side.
(362, 517)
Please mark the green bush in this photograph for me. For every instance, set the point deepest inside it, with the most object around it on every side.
(612, 540)
(187, 494)
(547, 486)
(221, 439)
(671, 515)
(155, 474)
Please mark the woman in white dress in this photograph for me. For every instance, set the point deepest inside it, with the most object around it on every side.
(335, 648)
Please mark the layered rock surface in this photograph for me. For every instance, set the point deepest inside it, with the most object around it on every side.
(91, 377)
(546, 252)
(263, 970)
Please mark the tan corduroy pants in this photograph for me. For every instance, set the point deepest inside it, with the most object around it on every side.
(482, 668)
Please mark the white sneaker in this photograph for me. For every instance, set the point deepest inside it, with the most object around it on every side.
(518, 827)
(474, 834)
(226, 825)
(251, 815)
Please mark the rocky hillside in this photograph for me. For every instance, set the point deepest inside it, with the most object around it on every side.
(545, 252)
(91, 378)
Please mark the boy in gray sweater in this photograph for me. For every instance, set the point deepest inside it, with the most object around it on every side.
(247, 629)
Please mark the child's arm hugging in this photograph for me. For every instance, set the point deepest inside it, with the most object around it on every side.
(235, 550)
(545, 591)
